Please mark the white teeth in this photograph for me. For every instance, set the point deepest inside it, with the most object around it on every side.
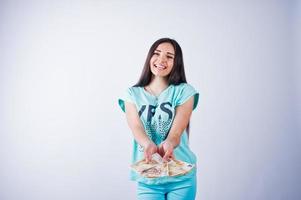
(160, 66)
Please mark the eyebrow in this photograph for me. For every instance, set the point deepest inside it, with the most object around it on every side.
(167, 52)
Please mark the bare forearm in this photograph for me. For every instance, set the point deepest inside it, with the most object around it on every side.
(180, 123)
(175, 134)
(142, 139)
(140, 136)
(136, 125)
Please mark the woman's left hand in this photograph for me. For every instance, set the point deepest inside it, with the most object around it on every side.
(165, 149)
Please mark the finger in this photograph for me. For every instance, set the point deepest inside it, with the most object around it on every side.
(167, 155)
(147, 157)
(161, 152)
(155, 150)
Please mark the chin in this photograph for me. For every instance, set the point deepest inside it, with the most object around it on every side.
(156, 73)
(159, 73)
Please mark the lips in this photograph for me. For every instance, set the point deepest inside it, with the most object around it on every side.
(160, 67)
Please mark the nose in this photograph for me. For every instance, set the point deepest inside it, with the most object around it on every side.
(162, 58)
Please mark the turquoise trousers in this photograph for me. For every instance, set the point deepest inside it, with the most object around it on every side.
(184, 190)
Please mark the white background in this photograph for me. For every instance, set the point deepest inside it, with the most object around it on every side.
(64, 64)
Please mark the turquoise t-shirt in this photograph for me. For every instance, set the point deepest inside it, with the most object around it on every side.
(157, 114)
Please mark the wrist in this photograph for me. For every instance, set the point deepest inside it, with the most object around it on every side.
(174, 141)
(147, 143)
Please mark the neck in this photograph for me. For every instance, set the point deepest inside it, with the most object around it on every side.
(158, 84)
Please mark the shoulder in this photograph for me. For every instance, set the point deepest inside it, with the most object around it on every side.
(131, 94)
(134, 90)
(183, 87)
(183, 92)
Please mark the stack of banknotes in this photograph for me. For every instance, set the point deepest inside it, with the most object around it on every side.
(157, 168)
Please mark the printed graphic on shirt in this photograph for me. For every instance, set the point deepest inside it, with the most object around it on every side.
(157, 120)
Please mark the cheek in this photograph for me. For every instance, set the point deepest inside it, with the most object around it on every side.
(171, 63)
(152, 60)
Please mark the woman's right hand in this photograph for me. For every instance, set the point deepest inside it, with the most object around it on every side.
(149, 149)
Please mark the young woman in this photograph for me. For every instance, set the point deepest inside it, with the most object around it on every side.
(158, 109)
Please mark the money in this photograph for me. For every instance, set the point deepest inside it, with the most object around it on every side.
(157, 168)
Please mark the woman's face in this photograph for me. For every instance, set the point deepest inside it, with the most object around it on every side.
(162, 61)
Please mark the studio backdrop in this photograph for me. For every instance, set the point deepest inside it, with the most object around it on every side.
(64, 64)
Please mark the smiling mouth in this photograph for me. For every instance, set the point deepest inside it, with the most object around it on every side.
(160, 67)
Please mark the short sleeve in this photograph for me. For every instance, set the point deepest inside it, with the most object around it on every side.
(126, 97)
(185, 93)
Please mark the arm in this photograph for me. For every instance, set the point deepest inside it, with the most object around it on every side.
(138, 131)
(181, 120)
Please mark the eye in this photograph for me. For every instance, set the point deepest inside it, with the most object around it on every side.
(157, 54)
(169, 57)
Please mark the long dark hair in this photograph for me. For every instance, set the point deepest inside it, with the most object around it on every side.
(177, 74)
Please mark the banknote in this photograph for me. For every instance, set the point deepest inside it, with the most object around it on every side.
(157, 168)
